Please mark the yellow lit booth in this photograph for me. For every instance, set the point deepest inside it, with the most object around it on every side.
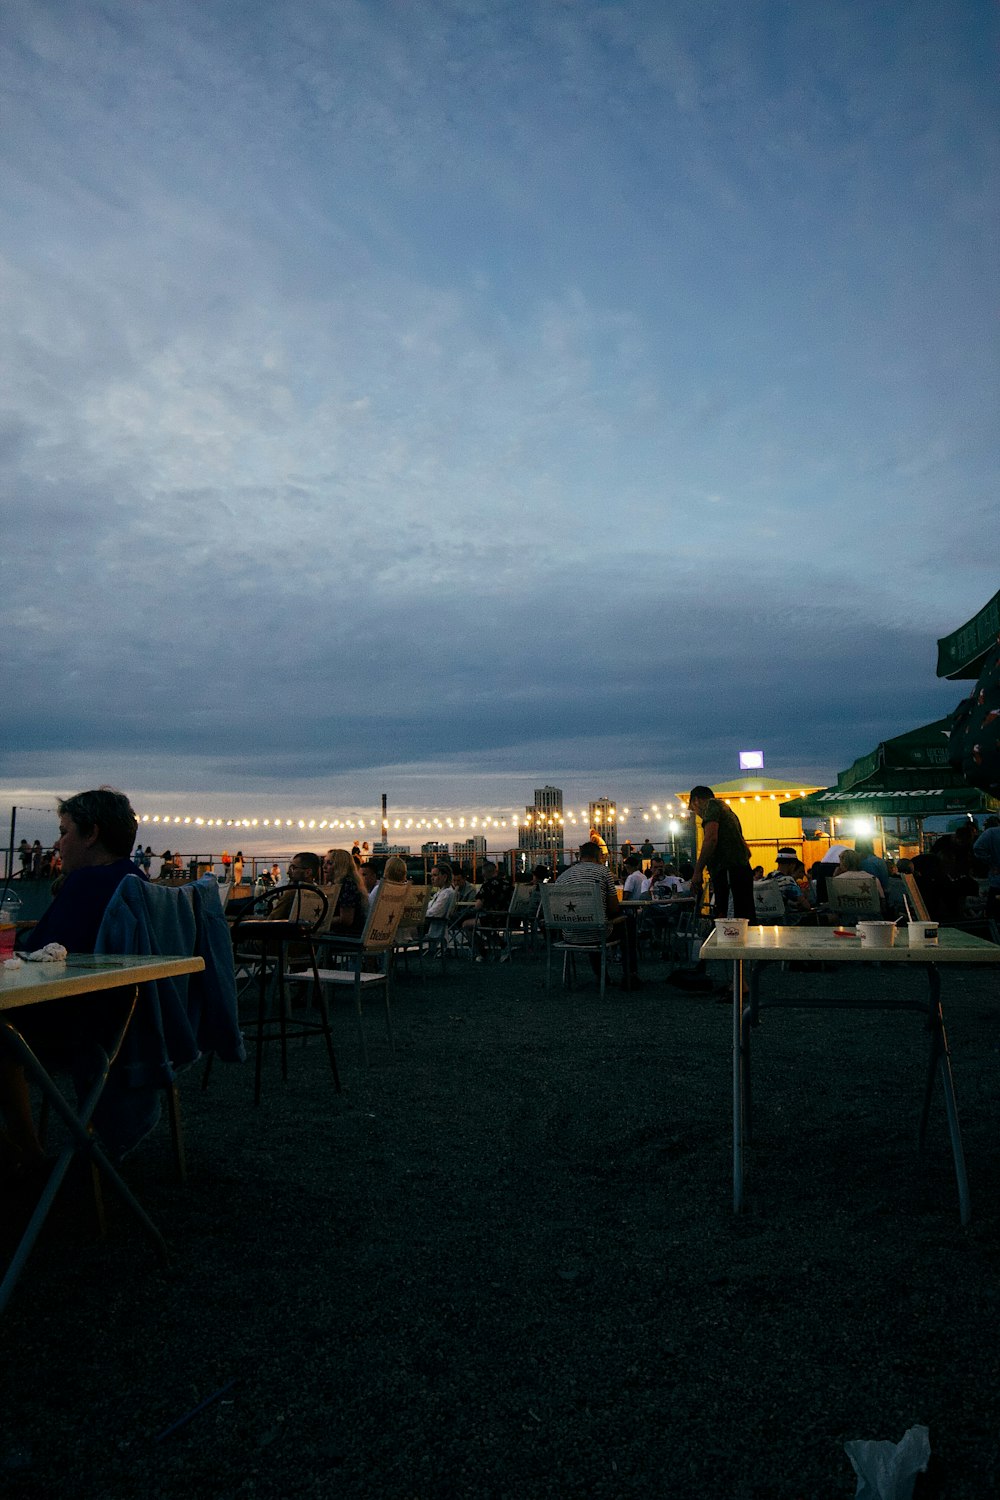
(757, 802)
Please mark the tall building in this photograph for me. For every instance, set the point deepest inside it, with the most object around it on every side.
(541, 834)
(603, 816)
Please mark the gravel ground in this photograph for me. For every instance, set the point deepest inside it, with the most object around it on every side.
(503, 1263)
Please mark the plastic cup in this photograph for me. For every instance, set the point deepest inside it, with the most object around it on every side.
(922, 934)
(8, 932)
(731, 931)
(877, 934)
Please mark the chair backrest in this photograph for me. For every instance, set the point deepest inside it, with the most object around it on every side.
(769, 903)
(853, 896)
(384, 916)
(411, 923)
(524, 901)
(916, 906)
(332, 894)
(573, 906)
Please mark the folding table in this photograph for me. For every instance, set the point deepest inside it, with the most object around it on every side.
(79, 975)
(818, 944)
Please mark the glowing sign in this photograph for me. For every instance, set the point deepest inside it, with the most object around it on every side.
(751, 760)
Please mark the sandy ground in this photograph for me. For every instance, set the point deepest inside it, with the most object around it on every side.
(503, 1263)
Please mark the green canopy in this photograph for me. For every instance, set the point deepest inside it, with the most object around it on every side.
(963, 653)
(873, 802)
(908, 776)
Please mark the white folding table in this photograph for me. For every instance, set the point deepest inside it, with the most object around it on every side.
(822, 944)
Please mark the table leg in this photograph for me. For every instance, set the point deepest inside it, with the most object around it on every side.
(940, 1062)
(738, 1084)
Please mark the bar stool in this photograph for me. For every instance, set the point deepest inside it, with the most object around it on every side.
(293, 914)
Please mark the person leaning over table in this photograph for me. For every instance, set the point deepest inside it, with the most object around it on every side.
(96, 832)
(724, 853)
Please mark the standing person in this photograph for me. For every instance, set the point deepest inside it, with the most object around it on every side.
(238, 868)
(24, 855)
(724, 853)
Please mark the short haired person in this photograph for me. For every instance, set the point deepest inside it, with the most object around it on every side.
(636, 885)
(97, 830)
(590, 868)
(724, 853)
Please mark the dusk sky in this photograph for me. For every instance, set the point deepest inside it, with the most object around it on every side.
(449, 398)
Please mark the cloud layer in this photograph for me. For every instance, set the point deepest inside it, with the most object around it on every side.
(587, 391)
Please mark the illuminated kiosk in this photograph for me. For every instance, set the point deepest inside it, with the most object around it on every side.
(758, 802)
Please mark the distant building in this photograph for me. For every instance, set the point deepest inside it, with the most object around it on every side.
(541, 835)
(469, 848)
(382, 849)
(433, 848)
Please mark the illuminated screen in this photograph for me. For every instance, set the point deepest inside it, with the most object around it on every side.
(751, 760)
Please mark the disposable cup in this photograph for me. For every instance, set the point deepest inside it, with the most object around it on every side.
(8, 932)
(922, 934)
(877, 934)
(730, 931)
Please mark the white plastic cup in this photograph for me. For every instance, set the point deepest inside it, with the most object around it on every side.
(922, 934)
(877, 934)
(731, 931)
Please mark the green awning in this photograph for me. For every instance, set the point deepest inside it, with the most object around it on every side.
(918, 750)
(872, 801)
(963, 653)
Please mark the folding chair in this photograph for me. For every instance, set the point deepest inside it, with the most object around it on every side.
(521, 917)
(578, 910)
(769, 904)
(411, 940)
(852, 899)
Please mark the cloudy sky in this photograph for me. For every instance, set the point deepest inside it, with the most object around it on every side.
(446, 397)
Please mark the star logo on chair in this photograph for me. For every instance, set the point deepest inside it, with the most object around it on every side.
(571, 906)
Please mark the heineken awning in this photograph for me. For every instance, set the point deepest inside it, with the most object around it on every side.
(915, 753)
(871, 802)
(908, 776)
(963, 653)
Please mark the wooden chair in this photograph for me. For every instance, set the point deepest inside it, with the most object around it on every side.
(411, 939)
(365, 961)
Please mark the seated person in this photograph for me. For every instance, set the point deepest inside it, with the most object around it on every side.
(465, 891)
(784, 878)
(351, 911)
(491, 907)
(636, 884)
(850, 869)
(96, 833)
(591, 867)
(441, 904)
(394, 870)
